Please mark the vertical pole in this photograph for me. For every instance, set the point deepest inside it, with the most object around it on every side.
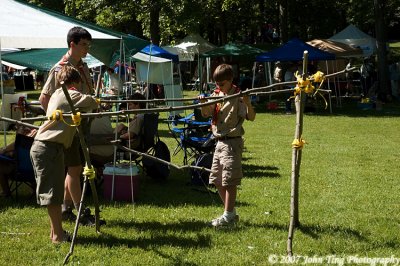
(2, 99)
(296, 161)
(86, 181)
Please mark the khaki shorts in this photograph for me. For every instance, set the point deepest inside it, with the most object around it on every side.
(48, 164)
(73, 155)
(227, 163)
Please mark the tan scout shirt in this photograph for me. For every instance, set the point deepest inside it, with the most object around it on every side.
(228, 121)
(52, 84)
(58, 131)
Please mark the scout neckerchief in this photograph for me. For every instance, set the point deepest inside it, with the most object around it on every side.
(219, 105)
(65, 59)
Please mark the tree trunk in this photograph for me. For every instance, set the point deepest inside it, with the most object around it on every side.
(380, 29)
(283, 20)
(154, 23)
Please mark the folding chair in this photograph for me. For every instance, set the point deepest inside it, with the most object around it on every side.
(195, 140)
(176, 126)
(151, 144)
(24, 173)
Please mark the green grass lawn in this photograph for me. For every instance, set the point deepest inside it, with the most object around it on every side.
(349, 202)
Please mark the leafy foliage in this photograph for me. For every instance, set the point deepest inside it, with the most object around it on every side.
(165, 21)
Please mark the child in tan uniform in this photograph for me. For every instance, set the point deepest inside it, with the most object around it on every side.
(47, 152)
(227, 128)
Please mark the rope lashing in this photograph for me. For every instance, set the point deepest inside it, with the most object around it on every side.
(298, 143)
(90, 173)
(76, 118)
(306, 85)
(57, 115)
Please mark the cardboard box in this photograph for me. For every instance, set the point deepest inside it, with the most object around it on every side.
(126, 182)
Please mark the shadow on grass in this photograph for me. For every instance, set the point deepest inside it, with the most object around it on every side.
(315, 231)
(349, 106)
(257, 171)
(160, 235)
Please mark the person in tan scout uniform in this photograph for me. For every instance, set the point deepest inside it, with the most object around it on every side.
(79, 40)
(47, 152)
(227, 121)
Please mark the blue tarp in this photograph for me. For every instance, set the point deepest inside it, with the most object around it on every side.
(159, 52)
(293, 51)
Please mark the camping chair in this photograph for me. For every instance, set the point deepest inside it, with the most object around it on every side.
(195, 140)
(24, 173)
(150, 143)
(176, 125)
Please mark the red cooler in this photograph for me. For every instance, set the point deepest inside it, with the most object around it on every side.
(126, 181)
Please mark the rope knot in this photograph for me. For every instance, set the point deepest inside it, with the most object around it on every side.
(76, 119)
(298, 143)
(56, 115)
(90, 173)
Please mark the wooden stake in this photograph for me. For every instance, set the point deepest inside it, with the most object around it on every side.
(296, 161)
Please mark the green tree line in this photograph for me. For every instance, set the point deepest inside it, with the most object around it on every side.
(222, 21)
(165, 22)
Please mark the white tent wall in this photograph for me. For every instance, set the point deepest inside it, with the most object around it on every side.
(161, 73)
(155, 73)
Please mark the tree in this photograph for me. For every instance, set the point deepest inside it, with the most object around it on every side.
(379, 7)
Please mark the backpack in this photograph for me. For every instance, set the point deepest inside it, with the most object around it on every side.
(154, 169)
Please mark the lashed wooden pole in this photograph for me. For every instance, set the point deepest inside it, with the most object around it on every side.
(296, 160)
(86, 181)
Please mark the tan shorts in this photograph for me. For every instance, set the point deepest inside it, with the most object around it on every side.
(227, 163)
(48, 164)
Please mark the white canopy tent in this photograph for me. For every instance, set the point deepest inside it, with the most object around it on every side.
(27, 26)
(157, 70)
(354, 37)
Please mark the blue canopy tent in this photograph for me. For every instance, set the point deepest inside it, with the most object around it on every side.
(293, 51)
(155, 50)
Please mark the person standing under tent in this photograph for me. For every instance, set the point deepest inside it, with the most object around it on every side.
(228, 118)
(79, 42)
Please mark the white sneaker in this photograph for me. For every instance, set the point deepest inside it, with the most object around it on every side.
(222, 221)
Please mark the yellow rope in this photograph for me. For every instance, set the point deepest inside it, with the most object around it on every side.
(90, 173)
(306, 86)
(58, 116)
(76, 119)
(298, 143)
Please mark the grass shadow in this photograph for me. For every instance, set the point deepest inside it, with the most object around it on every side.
(314, 231)
(199, 241)
(257, 171)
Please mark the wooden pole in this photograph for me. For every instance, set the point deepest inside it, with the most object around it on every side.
(296, 161)
(86, 181)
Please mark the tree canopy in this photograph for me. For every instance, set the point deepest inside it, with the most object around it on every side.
(166, 21)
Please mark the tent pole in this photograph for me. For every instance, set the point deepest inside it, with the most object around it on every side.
(340, 94)
(147, 78)
(117, 121)
(2, 98)
(254, 74)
